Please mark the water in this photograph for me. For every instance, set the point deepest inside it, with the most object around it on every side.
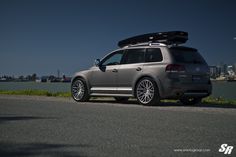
(223, 89)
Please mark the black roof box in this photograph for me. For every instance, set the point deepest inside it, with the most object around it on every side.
(169, 38)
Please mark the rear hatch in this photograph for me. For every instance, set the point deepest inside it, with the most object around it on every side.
(195, 68)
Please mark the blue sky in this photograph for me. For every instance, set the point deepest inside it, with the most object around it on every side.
(41, 36)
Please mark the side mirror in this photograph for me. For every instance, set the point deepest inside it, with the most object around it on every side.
(97, 62)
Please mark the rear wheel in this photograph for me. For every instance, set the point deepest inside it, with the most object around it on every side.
(147, 92)
(79, 90)
(190, 101)
(121, 99)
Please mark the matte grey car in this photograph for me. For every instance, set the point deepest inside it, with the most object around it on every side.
(147, 71)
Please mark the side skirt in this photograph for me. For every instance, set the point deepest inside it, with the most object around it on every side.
(111, 91)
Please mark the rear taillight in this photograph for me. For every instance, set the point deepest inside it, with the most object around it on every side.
(175, 68)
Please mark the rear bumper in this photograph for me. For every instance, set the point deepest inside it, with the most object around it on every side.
(177, 91)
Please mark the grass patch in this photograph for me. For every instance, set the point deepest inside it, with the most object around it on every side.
(208, 100)
(35, 92)
(219, 100)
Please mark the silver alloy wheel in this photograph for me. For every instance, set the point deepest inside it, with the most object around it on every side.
(78, 89)
(145, 91)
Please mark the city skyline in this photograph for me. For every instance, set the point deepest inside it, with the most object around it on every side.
(43, 36)
(57, 73)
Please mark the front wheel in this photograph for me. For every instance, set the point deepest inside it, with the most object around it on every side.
(79, 90)
(147, 92)
(190, 101)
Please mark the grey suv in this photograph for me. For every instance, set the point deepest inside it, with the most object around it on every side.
(148, 67)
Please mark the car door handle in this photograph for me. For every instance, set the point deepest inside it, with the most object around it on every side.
(138, 69)
(115, 70)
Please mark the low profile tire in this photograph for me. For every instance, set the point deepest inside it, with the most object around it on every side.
(147, 93)
(79, 90)
(190, 101)
(121, 99)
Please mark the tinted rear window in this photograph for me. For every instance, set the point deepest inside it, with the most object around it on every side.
(187, 56)
(134, 56)
(153, 55)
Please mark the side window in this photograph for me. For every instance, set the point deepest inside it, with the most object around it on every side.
(133, 56)
(113, 59)
(153, 55)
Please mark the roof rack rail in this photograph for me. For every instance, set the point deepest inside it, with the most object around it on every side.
(146, 44)
(168, 38)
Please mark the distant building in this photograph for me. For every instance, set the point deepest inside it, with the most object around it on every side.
(213, 71)
(223, 69)
(230, 70)
(38, 79)
(44, 79)
(218, 70)
(66, 79)
(234, 68)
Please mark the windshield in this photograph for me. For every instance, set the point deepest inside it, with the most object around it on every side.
(187, 55)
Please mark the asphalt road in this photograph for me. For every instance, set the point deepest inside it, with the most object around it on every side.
(57, 127)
